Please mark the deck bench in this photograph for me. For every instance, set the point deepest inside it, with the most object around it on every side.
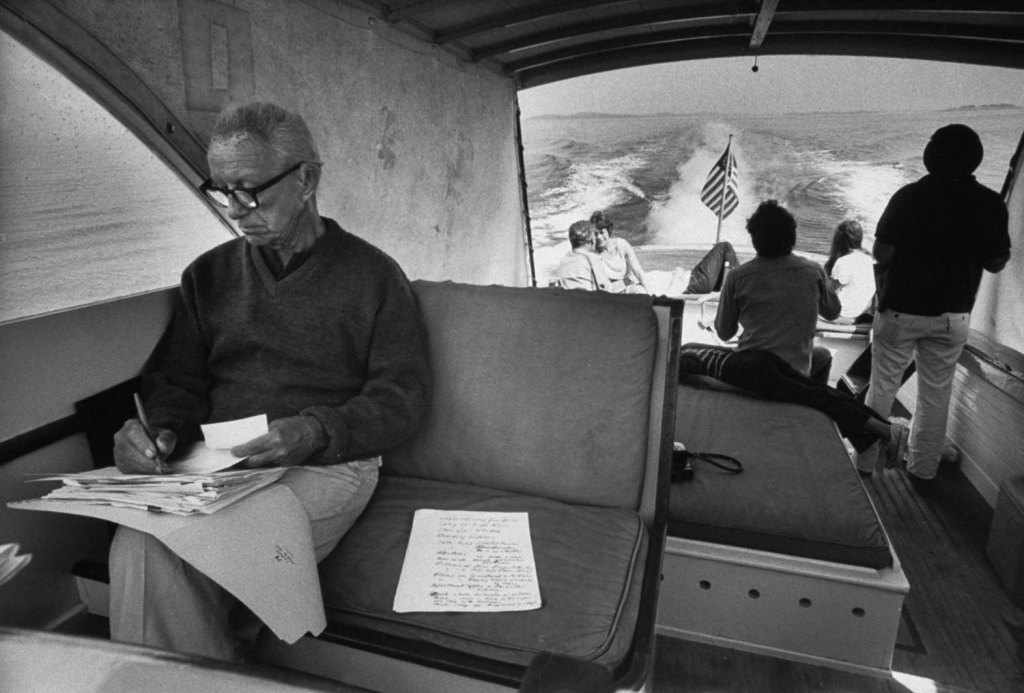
(518, 422)
(788, 558)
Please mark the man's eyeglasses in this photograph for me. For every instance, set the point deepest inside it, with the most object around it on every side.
(243, 196)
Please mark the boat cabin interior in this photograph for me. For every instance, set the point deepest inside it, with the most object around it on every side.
(797, 574)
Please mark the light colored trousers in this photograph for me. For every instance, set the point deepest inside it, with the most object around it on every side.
(159, 600)
(935, 344)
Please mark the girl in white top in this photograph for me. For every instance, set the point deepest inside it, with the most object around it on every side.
(851, 270)
(621, 264)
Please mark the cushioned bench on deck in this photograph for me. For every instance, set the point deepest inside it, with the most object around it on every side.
(798, 493)
(788, 558)
(558, 404)
(589, 565)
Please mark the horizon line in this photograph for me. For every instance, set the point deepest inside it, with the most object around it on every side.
(662, 114)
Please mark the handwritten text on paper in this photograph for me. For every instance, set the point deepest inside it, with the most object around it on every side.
(468, 561)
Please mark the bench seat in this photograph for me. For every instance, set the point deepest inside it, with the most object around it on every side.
(556, 403)
(788, 558)
(797, 495)
(589, 565)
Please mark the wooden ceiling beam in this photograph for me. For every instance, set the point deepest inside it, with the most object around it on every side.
(761, 23)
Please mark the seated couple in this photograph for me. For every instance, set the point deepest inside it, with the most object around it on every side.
(600, 262)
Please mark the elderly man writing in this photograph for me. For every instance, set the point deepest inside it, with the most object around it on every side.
(297, 319)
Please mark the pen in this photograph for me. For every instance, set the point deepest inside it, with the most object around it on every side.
(145, 424)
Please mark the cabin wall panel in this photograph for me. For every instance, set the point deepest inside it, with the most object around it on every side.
(45, 589)
(52, 361)
(1000, 297)
(419, 148)
(987, 425)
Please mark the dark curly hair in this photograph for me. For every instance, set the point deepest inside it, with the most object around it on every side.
(772, 229)
(601, 220)
(581, 233)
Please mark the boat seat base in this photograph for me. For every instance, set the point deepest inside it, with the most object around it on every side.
(788, 558)
(829, 614)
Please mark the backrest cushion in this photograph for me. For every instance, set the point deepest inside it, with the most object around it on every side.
(544, 392)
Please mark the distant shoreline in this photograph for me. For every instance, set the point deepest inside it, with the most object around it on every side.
(591, 115)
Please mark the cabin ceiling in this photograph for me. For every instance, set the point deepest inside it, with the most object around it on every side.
(542, 41)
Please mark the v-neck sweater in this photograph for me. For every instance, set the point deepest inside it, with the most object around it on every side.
(340, 338)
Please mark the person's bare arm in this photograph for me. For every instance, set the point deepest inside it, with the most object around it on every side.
(633, 266)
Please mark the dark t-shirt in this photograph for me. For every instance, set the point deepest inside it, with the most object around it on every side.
(942, 231)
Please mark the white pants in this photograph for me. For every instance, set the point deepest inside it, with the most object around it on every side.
(159, 600)
(935, 344)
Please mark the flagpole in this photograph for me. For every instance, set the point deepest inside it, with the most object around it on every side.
(725, 188)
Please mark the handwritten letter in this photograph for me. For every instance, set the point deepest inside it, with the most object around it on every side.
(468, 561)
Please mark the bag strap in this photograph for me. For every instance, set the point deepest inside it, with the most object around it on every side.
(682, 467)
(726, 462)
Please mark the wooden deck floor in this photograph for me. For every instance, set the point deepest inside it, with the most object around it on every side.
(959, 632)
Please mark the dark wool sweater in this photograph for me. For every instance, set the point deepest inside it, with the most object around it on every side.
(340, 338)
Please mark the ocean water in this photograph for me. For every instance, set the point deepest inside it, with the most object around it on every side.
(87, 212)
(647, 172)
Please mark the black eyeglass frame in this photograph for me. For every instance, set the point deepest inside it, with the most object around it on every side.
(208, 187)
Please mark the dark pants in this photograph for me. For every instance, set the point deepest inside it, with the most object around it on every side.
(770, 377)
(709, 273)
(821, 364)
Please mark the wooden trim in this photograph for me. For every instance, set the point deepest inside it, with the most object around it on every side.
(425, 654)
(995, 363)
(762, 22)
(38, 438)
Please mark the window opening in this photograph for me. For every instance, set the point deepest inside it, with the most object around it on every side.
(88, 212)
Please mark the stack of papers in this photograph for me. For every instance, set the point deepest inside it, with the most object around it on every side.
(11, 562)
(199, 482)
(181, 494)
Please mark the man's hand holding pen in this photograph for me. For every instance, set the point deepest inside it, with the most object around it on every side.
(141, 449)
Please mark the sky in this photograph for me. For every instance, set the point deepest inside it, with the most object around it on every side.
(782, 84)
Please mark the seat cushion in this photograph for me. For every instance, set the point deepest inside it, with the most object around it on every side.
(535, 379)
(589, 563)
(799, 493)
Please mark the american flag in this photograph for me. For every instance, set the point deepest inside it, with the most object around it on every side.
(722, 181)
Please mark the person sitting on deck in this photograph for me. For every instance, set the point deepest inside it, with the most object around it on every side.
(776, 297)
(851, 271)
(581, 268)
(709, 274)
(620, 262)
(768, 376)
